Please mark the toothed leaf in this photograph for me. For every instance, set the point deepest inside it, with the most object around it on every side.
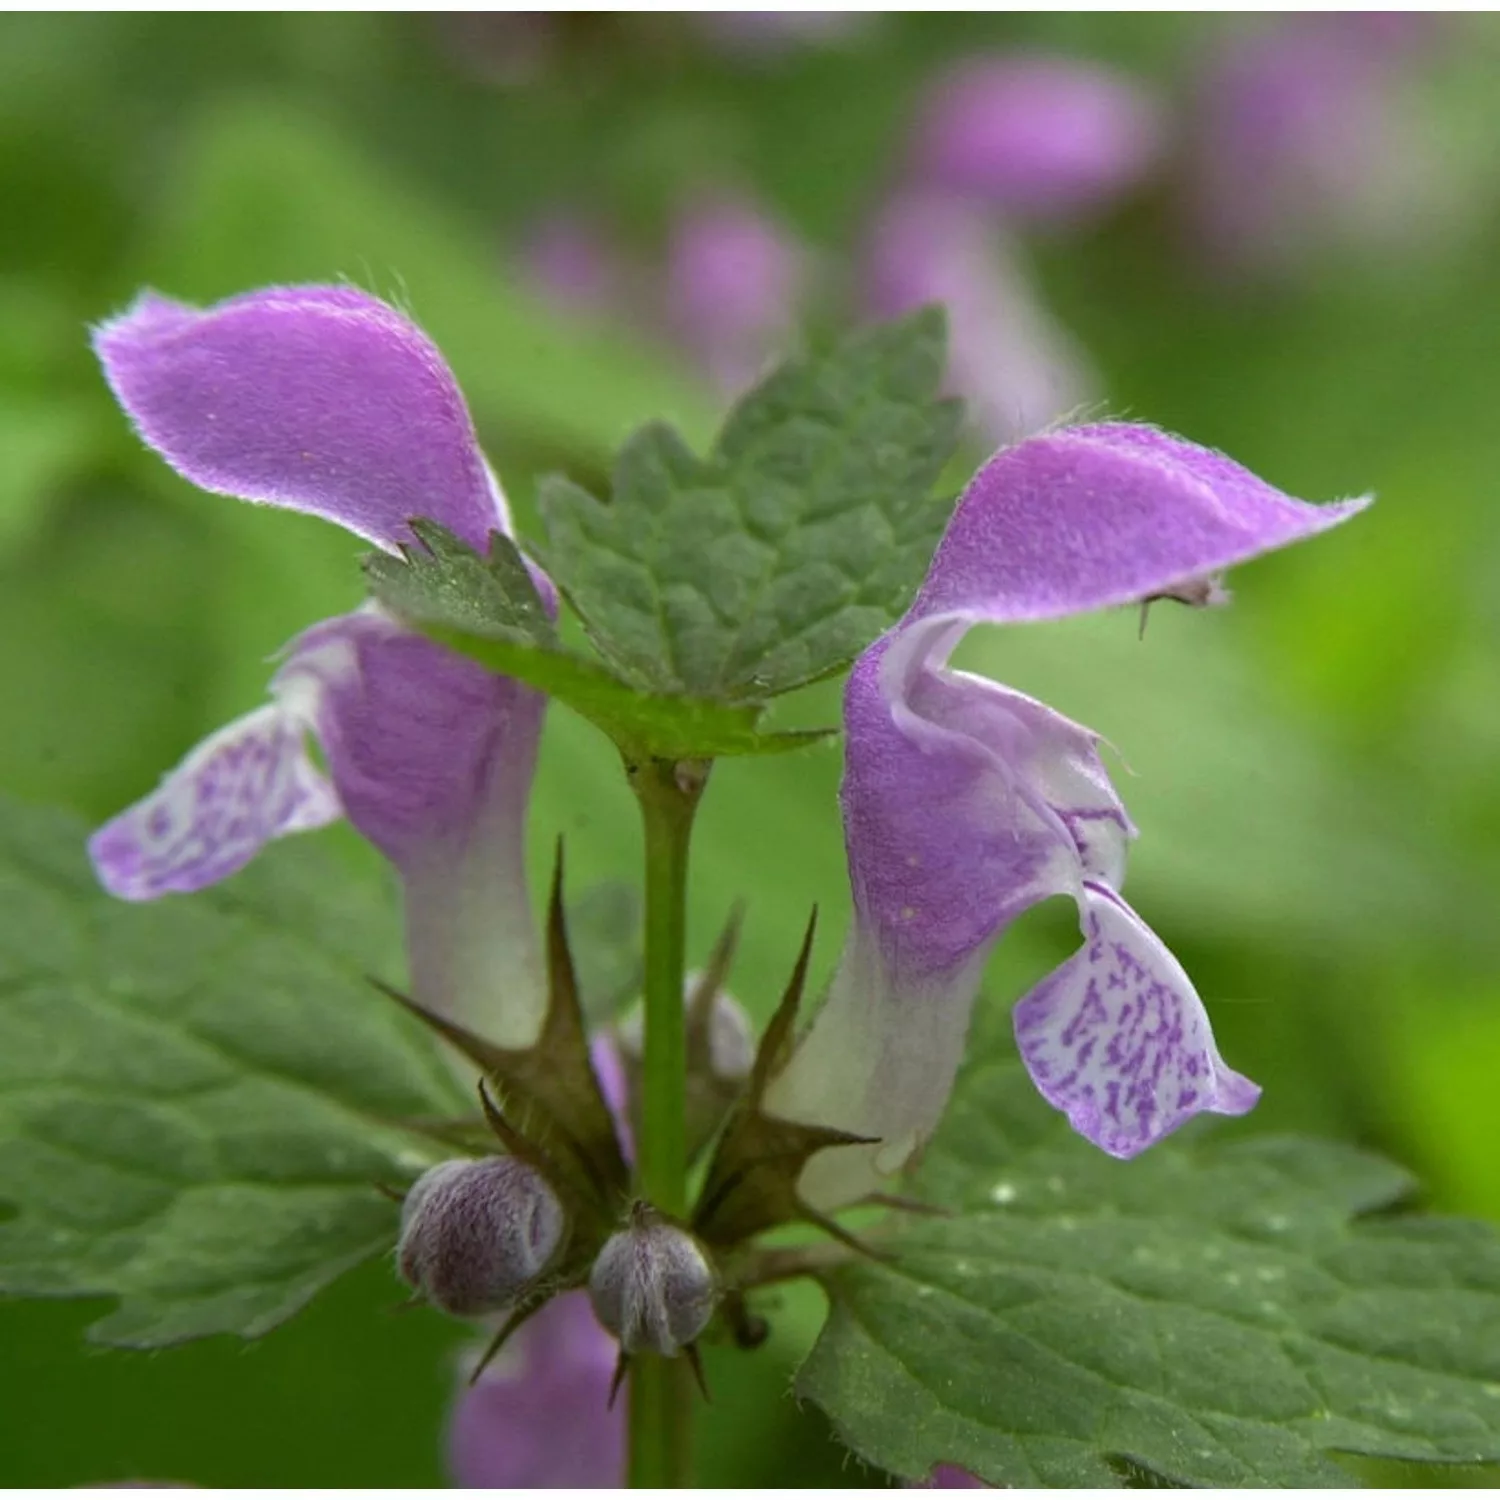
(198, 1096)
(1214, 1313)
(779, 557)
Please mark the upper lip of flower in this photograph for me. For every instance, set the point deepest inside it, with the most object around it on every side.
(315, 398)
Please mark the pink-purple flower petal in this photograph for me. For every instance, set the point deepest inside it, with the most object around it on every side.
(539, 1417)
(965, 804)
(950, 1477)
(316, 398)
(1101, 515)
(324, 399)
(430, 756)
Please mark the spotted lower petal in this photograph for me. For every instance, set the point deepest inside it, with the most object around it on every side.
(249, 783)
(1118, 1039)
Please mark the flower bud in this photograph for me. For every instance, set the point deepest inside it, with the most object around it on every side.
(474, 1233)
(652, 1286)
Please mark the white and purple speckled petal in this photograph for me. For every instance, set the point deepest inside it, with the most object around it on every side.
(1101, 515)
(245, 785)
(316, 398)
(1118, 1039)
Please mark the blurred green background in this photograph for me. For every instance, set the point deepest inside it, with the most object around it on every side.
(1316, 772)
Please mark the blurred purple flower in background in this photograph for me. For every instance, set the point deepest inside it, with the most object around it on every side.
(539, 1415)
(1304, 137)
(1003, 143)
(1014, 364)
(728, 289)
(572, 261)
(733, 283)
(1036, 136)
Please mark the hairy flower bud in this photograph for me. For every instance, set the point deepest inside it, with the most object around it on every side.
(474, 1233)
(652, 1286)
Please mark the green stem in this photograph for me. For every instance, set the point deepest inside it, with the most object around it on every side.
(661, 1423)
(661, 1396)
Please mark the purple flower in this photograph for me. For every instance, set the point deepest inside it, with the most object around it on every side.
(733, 280)
(1017, 369)
(572, 263)
(965, 804)
(1304, 138)
(539, 1417)
(323, 399)
(1035, 136)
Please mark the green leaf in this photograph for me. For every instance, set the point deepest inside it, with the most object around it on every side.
(1224, 1314)
(448, 583)
(199, 1095)
(490, 610)
(782, 555)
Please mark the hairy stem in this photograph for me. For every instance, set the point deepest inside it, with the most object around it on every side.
(661, 1396)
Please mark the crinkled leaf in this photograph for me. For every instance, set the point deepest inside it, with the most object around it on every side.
(784, 553)
(445, 582)
(489, 610)
(1221, 1314)
(199, 1095)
